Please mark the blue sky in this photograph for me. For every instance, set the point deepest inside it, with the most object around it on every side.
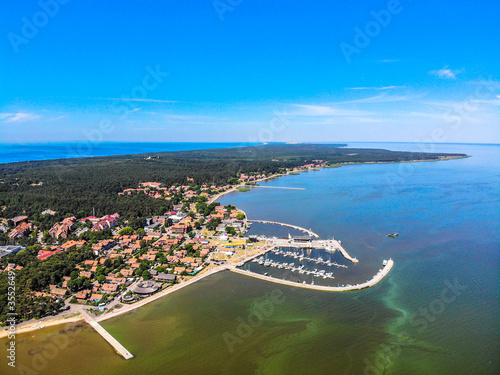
(258, 71)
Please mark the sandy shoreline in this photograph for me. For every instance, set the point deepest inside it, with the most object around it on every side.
(63, 319)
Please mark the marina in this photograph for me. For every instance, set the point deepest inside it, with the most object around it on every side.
(341, 288)
(300, 261)
(324, 326)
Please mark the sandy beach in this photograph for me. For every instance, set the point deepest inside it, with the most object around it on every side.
(62, 319)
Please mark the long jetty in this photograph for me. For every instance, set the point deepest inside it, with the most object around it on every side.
(308, 231)
(376, 279)
(107, 336)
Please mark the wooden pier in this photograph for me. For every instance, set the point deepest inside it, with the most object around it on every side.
(107, 336)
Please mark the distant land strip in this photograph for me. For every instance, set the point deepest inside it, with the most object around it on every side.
(280, 187)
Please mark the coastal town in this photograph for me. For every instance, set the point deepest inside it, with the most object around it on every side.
(122, 268)
(125, 265)
(234, 187)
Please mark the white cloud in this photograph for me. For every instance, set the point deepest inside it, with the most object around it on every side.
(18, 117)
(321, 110)
(57, 118)
(445, 73)
(489, 83)
(376, 88)
(139, 100)
(379, 99)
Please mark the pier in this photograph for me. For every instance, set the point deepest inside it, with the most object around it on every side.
(308, 231)
(107, 336)
(328, 245)
(376, 279)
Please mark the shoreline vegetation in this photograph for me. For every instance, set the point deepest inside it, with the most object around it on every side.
(25, 171)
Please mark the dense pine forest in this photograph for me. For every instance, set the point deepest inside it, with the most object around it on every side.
(76, 186)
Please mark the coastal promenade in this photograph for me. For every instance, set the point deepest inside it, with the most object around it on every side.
(107, 336)
(308, 231)
(376, 279)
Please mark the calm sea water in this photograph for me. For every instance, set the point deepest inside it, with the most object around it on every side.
(437, 312)
(10, 153)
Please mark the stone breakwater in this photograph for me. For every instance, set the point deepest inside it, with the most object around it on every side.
(376, 279)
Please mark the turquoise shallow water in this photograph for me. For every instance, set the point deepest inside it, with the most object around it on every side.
(437, 312)
(447, 214)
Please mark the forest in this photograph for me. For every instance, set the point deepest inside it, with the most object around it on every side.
(36, 275)
(74, 187)
(77, 186)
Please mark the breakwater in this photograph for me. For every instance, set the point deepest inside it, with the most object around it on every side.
(308, 231)
(369, 283)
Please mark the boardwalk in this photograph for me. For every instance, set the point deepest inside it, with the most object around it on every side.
(308, 231)
(114, 343)
(377, 278)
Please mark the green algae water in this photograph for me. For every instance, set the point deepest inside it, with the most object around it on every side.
(437, 312)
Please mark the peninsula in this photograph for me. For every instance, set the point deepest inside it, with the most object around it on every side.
(86, 235)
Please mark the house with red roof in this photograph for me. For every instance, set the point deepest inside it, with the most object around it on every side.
(109, 288)
(20, 231)
(151, 184)
(44, 254)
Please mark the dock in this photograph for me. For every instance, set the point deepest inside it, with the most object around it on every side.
(308, 231)
(328, 245)
(376, 279)
(107, 336)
